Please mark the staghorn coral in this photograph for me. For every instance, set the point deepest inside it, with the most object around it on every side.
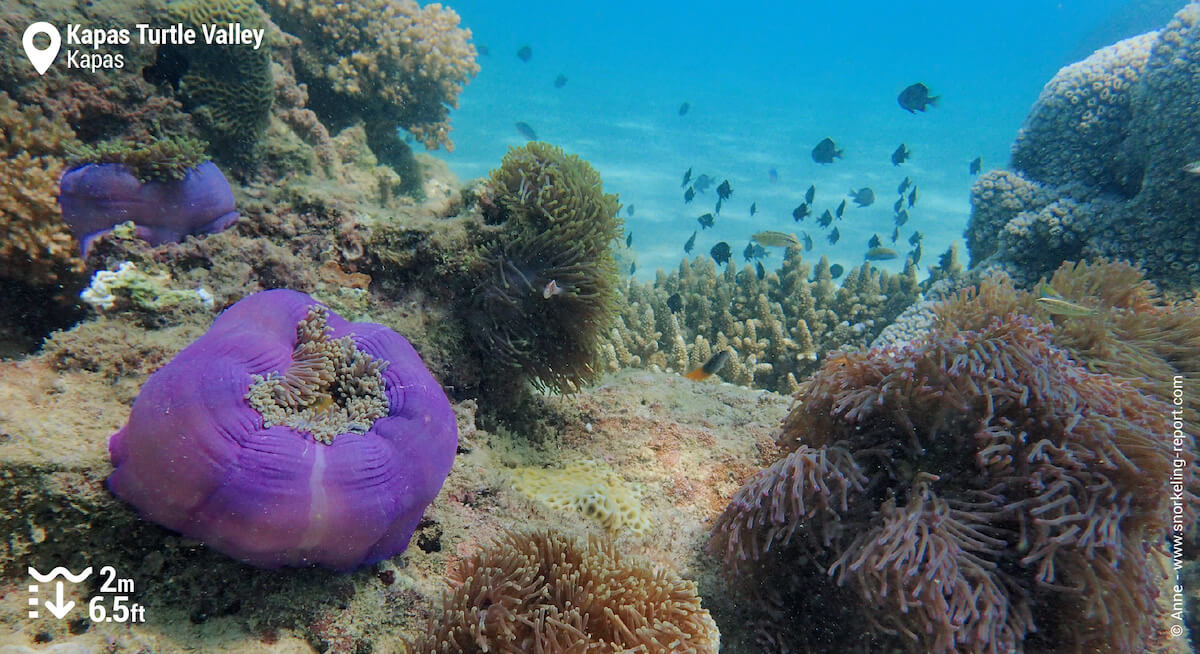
(972, 491)
(1098, 166)
(228, 89)
(548, 279)
(385, 62)
(546, 592)
(778, 327)
(37, 247)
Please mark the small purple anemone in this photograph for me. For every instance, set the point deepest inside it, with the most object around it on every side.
(286, 435)
(96, 197)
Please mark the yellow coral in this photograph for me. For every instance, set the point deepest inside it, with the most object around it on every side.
(37, 247)
(589, 487)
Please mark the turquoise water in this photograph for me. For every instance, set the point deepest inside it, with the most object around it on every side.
(764, 85)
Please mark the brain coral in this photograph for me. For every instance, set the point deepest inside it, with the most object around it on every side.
(288, 436)
(556, 224)
(388, 62)
(548, 593)
(975, 490)
(1098, 167)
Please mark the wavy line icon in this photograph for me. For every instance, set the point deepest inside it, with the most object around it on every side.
(43, 578)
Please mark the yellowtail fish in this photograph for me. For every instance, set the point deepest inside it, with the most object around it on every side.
(710, 367)
(1056, 305)
(772, 239)
(552, 289)
(881, 254)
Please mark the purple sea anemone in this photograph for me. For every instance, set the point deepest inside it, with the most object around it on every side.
(286, 435)
(96, 197)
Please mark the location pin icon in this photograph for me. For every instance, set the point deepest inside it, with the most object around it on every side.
(41, 59)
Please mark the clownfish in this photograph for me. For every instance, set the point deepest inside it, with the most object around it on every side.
(710, 367)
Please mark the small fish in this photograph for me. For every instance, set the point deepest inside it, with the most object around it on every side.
(895, 234)
(1056, 305)
(725, 191)
(759, 271)
(560, 81)
(916, 98)
(525, 130)
(880, 254)
(717, 209)
(901, 155)
(721, 252)
(753, 208)
(629, 240)
(834, 236)
(836, 270)
(552, 289)
(915, 239)
(826, 151)
(675, 303)
(826, 219)
(773, 176)
(841, 209)
(912, 197)
(629, 210)
(863, 197)
(807, 240)
(748, 253)
(754, 251)
(773, 239)
(703, 182)
(687, 177)
(710, 367)
(874, 242)
(525, 53)
(904, 186)
(683, 109)
(901, 217)
(800, 212)
(483, 50)
(810, 194)
(691, 243)
(899, 204)
(632, 268)
(1192, 168)
(916, 255)
(689, 195)
(977, 165)
(706, 221)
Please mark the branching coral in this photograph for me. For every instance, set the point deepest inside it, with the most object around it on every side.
(549, 593)
(973, 491)
(385, 62)
(777, 327)
(548, 284)
(37, 247)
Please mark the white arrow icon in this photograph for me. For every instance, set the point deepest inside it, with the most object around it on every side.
(41, 59)
(58, 608)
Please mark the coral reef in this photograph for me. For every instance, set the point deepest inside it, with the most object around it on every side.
(97, 197)
(220, 442)
(778, 327)
(548, 278)
(587, 487)
(228, 89)
(547, 592)
(974, 490)
(1098, 166)
(384, 62)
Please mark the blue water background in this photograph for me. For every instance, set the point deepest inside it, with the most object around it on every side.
(765, 84)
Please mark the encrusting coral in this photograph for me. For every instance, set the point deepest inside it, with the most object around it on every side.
(589, 488)
(550, 593)
(385, 62)
(548, 278)
(1099, 168)
(777, 327)
(974, 490)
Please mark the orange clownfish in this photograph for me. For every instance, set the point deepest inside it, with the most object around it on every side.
(710, 367)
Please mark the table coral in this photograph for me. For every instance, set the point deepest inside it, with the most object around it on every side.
(387, 62)
(550, 593)
(1098, 166)
(777, 327)
(975, 490)
(288, 436)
